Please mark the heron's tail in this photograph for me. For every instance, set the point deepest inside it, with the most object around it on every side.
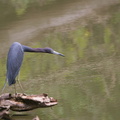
(4, 86)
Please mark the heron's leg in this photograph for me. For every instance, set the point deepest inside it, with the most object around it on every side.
(4, 86)
(20, 83)
(15, 89)
(20, 86)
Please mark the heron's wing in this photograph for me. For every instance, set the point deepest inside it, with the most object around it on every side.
(14, 61)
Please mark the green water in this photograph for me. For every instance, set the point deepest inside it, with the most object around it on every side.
(86, 81)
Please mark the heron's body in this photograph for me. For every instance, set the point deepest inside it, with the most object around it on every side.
(14, 62)
(15, 58)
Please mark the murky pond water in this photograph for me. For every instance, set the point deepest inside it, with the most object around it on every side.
(86, 82)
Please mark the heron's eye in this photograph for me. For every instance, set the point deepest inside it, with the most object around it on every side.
(48, 50)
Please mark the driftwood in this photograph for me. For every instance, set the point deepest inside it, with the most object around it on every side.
(21, 102)
(36, 118)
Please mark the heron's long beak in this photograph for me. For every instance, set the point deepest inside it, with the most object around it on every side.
(57, 53)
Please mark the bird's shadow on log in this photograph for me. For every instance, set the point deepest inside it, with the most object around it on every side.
(21, 102)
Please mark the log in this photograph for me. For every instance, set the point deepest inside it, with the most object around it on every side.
(36, 118)
(22, 102)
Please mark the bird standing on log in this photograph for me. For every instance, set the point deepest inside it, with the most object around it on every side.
(15, 58)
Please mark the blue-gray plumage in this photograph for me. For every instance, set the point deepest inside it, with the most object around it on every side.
(15, 58)
(14, 61)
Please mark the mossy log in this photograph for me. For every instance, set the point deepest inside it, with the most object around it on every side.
(22, 102)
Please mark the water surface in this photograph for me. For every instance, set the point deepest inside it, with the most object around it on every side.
(85, 82)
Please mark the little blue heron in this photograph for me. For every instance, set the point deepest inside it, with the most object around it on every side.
(15, 58)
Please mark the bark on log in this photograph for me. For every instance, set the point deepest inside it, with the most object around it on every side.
(36, 118)
(21, 102)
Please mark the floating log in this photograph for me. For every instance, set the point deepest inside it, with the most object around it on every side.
(22, 102)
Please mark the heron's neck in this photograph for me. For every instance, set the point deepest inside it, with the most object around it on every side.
(29, 49)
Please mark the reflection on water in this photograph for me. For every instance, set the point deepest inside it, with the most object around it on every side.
(85, 82)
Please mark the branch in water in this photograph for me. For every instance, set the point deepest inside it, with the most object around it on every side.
(21, 102)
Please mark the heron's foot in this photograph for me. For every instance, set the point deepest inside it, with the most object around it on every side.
(15, 94)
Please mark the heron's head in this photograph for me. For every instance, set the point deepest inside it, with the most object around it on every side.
(51, 51)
